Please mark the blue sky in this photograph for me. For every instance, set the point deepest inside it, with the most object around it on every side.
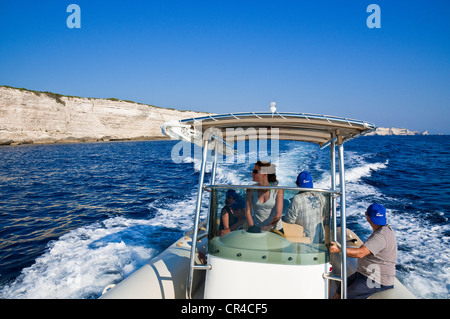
(231, 56)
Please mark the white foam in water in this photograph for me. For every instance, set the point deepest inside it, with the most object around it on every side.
(425, 256)
(293, 161)
(177, 215)
(82, 262)
(355, 174)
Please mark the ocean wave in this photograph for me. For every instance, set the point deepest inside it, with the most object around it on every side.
(82, 262)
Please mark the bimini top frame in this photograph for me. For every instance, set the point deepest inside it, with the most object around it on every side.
(319, 129)
(225, 129)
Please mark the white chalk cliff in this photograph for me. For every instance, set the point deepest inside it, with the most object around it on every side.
(43, 117)
(395, 131)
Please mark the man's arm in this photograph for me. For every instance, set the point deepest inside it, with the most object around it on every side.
(351, 252)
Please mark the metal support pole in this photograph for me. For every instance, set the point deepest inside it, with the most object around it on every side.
(196, 222)
(213, 182)
(214, 166)
(333, 187)
(343, 222)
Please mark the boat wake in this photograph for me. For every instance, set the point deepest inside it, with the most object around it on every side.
(82, 262)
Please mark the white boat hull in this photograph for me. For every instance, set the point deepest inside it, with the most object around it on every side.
(165, 276)
(263, 280)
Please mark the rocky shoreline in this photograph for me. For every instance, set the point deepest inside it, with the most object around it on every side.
(34, 117)
(73, 140)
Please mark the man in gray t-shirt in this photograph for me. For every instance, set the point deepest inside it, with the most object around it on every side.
(380, 263)
(376, 258)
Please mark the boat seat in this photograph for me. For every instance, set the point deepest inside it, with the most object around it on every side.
(294, 233)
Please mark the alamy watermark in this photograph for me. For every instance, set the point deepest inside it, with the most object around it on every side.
(374, 19)
(257, 143)
(373, 281)
(74, 19)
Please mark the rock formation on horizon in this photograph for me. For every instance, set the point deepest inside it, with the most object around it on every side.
(395, 131)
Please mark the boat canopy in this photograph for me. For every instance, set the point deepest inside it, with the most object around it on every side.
(313, 128)
(214, 131)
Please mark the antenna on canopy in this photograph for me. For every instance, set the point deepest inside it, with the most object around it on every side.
(272, 107)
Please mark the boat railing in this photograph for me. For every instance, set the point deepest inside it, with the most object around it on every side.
(290, 192)
(336, 191)
(289, 188)
(226, 197)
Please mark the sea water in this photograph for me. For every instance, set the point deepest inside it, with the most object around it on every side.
(77, 217)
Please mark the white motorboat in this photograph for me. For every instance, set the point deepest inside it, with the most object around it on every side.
(265, 264)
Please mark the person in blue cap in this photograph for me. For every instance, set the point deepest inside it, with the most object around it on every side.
(307, 209)
(377, 258)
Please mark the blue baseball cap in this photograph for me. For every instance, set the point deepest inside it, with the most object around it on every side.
(304, 179)
(377, 214)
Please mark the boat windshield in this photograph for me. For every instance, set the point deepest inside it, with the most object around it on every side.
(300, 236)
